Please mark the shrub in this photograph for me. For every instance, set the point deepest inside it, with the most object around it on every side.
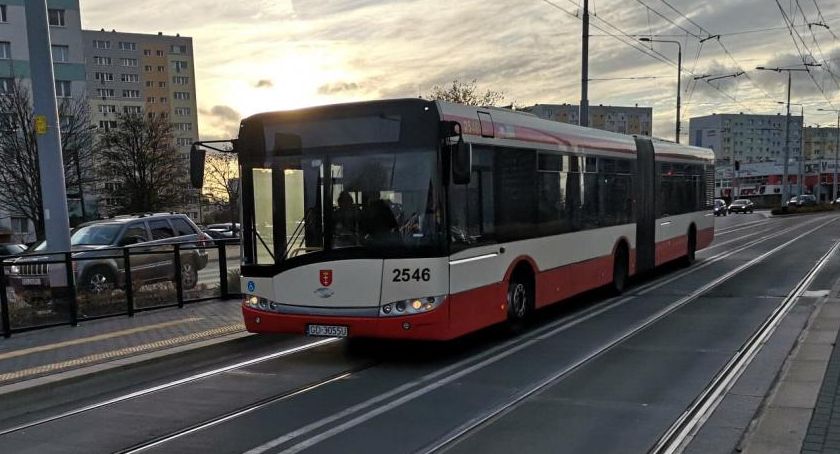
(802, 210)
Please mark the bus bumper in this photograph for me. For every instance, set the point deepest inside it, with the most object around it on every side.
(432, 325)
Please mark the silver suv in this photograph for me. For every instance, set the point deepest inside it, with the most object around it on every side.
(96, 246)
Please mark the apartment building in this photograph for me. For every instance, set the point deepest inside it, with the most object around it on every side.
(746, 138)
(625, 120)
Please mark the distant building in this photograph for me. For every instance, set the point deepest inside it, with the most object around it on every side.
(624, 120)
(115, 72)
(746, 138)
(819, 143)
(142, 73)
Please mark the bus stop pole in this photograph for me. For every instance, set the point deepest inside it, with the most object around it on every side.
(47, 133)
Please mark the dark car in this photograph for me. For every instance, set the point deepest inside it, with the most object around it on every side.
(720, 208)
(802, 201)
(741, 206)
(7, 250)
(97, 246)
(226, 230)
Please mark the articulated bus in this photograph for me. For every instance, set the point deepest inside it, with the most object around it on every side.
(417, 219)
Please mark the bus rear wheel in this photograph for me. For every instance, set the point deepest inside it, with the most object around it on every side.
(520, 301)
(691, 248)
(620, 270)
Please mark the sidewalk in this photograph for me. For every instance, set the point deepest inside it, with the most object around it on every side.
(42, 356)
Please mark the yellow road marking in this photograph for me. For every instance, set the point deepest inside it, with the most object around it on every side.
(98, 337)
(99, 357)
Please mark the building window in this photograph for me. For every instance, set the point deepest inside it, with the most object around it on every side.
(147, 52)
(178, 49)
(161, 69)
(104, 77)
(105, 92)
(132, 62)
(131, 93)
(150, 83)
(150, 100)
(60, 54)
(130, 78)
(107, 124)
(56, 17)
(101, 44)
(102, 61)
(62, 89)
(184, 141)
(161, 84)
(5, 50)
(180, 80)
(178, 65)
(159, 53)
(147, 68)
(107, 108)
(7, 85)
(3, 13)
(124, 45)
(182, 95)
(182, 126)
(132, 109)
(182, 111)
(163, 100)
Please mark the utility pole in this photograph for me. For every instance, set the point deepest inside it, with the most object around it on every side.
(47, 132)
(679, 77)
(801, 151)
(785, 182)
(584, 71)
(836, 152)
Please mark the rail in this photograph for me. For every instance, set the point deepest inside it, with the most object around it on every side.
(65, 288)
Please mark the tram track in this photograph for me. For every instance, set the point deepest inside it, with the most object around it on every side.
(467, 365)
(365, 411)
(741, 226)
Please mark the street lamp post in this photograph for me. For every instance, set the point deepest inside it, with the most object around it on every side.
(836, 148)
(679, 76)
(785, 182)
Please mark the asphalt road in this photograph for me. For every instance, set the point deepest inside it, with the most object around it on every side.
(595, 374)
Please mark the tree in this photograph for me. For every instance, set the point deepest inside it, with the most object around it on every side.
(20, 180)
(221, 183)
(140, 156)
(466, 93)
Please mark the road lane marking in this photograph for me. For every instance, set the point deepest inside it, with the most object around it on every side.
(98, 337)
(744, 224)
(489, 357)
(686, 426)
(181, 381)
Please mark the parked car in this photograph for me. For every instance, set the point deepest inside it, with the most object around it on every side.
(802, 200)
(97, 249)
(836, 201)
(11, 249)
(720, 208)
(227, 229)
(741, 206)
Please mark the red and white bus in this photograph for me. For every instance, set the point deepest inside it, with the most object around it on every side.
(429, 220)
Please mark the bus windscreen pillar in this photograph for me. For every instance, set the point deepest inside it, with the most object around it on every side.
(47, 132)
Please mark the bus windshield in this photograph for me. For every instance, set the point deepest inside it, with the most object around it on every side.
(378, 200)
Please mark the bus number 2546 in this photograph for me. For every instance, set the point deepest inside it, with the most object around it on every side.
(408, 274)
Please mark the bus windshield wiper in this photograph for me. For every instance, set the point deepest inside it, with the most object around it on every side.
(268, 249)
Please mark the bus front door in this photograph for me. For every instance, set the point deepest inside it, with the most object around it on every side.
(645, 191)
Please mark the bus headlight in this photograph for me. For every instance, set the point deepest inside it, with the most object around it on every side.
(14, 269)
(251, 301)
(411, 306)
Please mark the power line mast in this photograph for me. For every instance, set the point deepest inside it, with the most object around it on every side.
(584, 72)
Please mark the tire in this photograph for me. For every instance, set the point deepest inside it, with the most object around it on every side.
(189, 275)
(691, 249)
(520, 301)
(99, 280)
(621, 270)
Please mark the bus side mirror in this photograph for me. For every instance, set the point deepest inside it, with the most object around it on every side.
(461, 162)
(197, 166)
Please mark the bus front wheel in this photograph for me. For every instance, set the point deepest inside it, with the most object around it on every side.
(520, 300)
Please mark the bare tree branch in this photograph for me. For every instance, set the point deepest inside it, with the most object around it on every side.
(466, 93)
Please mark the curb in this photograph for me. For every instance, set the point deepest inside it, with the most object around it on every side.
(77, 375)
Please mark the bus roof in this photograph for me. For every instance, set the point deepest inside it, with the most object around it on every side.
(524, 127)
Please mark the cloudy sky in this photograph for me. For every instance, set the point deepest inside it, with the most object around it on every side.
(265, 55)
